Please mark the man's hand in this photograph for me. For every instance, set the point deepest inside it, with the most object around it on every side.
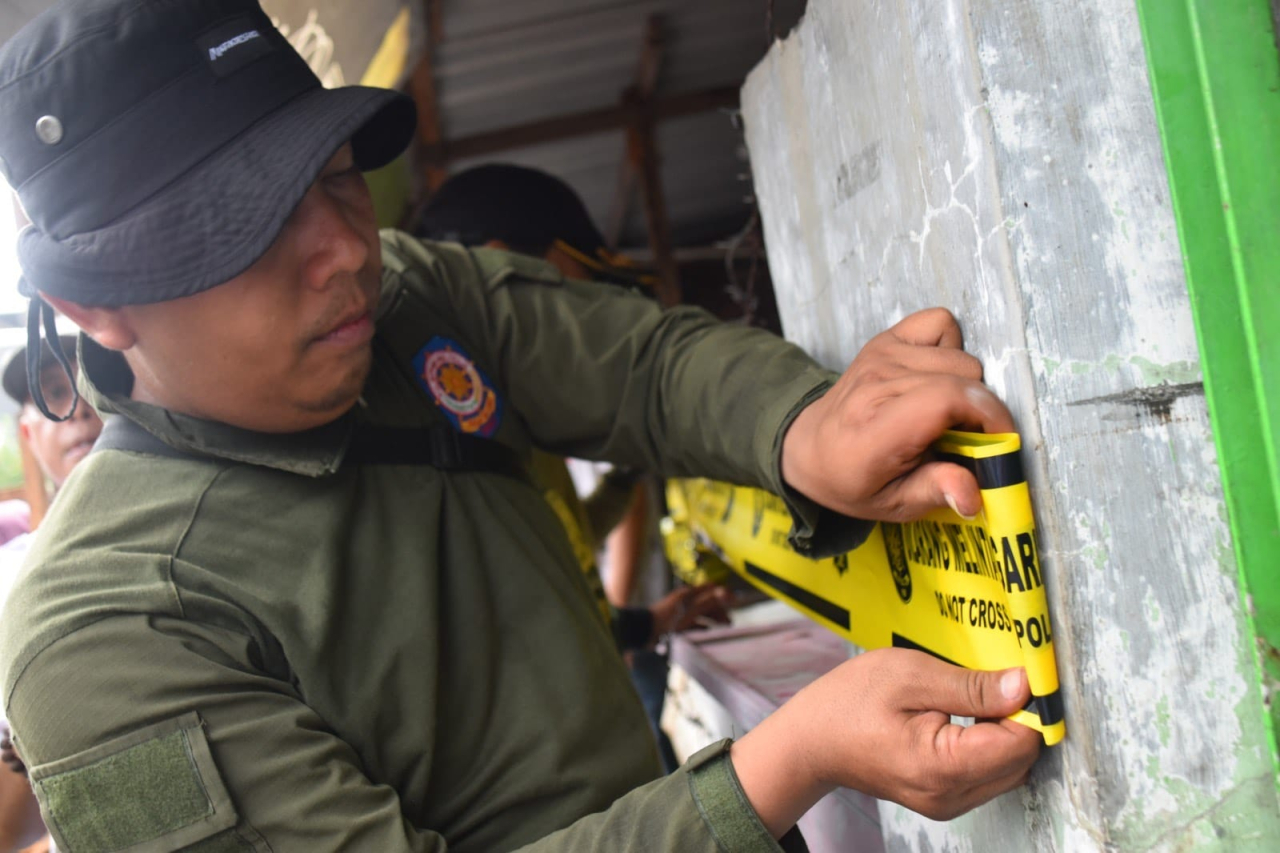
(859, 449)
(881, 724)
(691, 607)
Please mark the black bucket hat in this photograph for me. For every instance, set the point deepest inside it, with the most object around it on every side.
(159, 146)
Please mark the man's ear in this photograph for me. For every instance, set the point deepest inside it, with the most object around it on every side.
(24, 428)
(108, 326)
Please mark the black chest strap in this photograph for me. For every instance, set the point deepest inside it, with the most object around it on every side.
(438, 446)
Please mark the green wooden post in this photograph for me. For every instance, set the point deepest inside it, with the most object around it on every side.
(1215, 74)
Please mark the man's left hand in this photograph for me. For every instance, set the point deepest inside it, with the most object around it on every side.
(691, 607)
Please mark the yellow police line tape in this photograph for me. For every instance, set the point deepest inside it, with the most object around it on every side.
(969, 592)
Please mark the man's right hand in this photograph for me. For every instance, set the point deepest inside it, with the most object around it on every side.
(881, 724)
(862, 449)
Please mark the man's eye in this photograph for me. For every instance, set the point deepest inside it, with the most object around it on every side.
(347, 172)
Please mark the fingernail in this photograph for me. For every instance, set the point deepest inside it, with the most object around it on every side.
(951, 502)
(1011, 684)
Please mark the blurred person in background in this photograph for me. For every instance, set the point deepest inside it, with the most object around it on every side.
(58, 446)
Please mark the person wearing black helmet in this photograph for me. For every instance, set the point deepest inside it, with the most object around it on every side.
(528, 211)
(301, 596)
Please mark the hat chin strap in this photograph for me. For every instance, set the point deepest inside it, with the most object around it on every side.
(34, 311)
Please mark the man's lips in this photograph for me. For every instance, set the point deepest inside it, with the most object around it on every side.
(352, 329)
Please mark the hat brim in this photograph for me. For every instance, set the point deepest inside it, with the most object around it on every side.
(222, 215)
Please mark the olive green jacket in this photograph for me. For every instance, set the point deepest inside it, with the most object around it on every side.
(260, 648)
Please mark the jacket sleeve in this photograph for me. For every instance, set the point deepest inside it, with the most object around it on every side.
(190, 747)
(597, 372)
(601, 373)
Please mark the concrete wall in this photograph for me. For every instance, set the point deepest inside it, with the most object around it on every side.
(1002, 159)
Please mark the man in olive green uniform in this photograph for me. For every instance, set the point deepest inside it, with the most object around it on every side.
(505, 206)
(272, 624)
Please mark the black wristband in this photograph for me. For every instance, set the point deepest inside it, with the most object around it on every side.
(633, 628)
(623, 477)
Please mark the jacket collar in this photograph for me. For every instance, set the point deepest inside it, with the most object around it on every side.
(106, 382)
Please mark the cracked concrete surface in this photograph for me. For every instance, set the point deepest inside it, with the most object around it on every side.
(1018, 179)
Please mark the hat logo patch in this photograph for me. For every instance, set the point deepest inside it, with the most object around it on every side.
(219, 50)
(460, 389)
(235, 44)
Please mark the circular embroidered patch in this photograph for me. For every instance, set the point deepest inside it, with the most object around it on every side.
(461, 390)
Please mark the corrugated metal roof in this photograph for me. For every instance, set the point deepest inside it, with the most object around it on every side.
(580, 59)
(701, 171)
(504, 63)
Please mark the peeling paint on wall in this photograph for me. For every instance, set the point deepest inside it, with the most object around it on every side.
(1002, 159)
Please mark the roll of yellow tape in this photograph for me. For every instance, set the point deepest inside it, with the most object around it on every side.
(969, 592)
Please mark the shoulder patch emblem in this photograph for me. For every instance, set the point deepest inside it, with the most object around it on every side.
(462, 391)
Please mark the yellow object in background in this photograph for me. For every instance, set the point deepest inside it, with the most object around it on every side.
(390, 185)
(969, 592)
(388, 64)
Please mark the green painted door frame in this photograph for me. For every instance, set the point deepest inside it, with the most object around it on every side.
(1215, 75)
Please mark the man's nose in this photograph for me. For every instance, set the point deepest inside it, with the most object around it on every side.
(333, 245)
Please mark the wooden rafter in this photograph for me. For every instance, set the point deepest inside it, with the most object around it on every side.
(643, 147)
(422, 88)
(583, 124)
(646, 83)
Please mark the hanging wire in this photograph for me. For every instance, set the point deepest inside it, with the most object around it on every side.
(744, 295)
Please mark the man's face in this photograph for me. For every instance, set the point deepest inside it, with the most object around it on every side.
(285, 345)
(58, 446)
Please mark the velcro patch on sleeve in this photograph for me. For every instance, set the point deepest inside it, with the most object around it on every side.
(723, 804)
(155, 788)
